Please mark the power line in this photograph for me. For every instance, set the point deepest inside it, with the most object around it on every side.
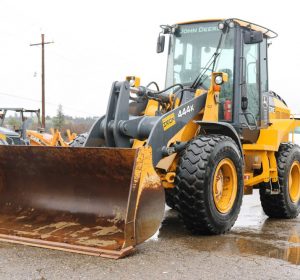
(48, 103)
(21, 97)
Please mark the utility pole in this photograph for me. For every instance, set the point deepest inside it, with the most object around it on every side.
(43, 43)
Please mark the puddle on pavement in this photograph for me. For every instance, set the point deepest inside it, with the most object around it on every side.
(253, 234)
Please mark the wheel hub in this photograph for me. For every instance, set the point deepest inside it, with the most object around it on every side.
(219, 182)
(294, 182)
(225, 186)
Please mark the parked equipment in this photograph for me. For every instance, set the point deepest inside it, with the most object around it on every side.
(212, 135)
(40, 138)
(23, 136)
(17, 135)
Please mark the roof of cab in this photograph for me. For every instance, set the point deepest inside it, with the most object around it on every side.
(266, 31)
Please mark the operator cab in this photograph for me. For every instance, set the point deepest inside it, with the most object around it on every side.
(235, 47)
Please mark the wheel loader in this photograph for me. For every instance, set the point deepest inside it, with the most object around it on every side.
(210, 136)
(23, 136)
(17, 135)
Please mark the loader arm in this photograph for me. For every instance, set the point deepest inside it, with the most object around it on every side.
(117, 128)
(171, 123)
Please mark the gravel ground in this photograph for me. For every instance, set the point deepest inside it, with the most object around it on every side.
(256, 248)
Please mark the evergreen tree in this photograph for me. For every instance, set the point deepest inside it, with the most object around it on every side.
(59, 120)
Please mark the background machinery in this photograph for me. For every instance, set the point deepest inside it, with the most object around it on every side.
(214, 133)
(16, 134)
(54, 138)
(19, 134)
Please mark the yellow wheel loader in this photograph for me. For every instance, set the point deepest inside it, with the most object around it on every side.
(213, 134)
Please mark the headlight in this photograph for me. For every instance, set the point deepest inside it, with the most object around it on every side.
(131, 82)
(231, 24)
(218, 80)
(221, 25)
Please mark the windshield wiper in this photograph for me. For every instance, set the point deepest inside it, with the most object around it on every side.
(211, 62)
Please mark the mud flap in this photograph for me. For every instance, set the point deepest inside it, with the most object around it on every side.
(96, 201)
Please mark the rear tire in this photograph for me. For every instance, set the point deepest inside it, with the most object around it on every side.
(286, 204)
(198, 178)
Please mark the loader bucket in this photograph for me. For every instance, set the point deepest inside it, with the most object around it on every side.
(96, 201)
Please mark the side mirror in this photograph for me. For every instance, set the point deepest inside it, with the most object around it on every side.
(252, 37)
(160, 44)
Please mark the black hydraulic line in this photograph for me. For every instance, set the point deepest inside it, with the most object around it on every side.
(181, 92)
(168, 88)
(153, 83)
(155, 95)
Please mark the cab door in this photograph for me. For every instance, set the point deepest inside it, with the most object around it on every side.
(254, 114)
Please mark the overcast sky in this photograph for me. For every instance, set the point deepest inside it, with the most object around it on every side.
(98, 42)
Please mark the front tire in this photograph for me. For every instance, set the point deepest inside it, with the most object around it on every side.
(169, 194)
(209, 184)
(286, 204)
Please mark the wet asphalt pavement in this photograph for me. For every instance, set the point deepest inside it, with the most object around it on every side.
(256, 248)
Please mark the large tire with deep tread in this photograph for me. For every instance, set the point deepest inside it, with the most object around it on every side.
(169, 195)
(79, 140)
(280, 205)
(193, 193)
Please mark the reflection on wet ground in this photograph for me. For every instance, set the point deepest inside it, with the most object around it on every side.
(253, 234)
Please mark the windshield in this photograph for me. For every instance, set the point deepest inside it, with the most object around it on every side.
(192, 47)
